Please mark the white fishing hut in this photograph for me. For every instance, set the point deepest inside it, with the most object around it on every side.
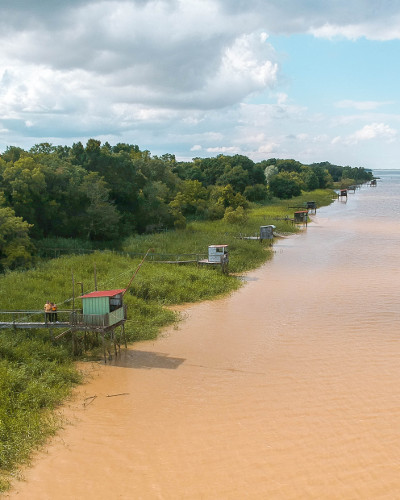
(218, 254)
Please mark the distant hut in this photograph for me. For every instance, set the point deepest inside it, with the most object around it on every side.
(312, 205)
(217, 255)
(301, 217)
(267, 232)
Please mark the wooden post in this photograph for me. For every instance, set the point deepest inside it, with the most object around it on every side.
(124, 336)
(114, 342)
(73, 293)
(104, 348)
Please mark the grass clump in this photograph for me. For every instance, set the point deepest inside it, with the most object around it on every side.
(35, 377)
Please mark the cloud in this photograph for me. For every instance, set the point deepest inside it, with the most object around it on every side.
(373, 131)
(361, 105)
(372, 30)
(231, 150)
(173, 73)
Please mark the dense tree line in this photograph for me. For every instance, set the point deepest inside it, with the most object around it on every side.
(103, 192)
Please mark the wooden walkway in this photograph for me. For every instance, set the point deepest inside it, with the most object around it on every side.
(33, 324)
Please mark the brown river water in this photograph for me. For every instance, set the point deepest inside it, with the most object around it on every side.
(287, 389)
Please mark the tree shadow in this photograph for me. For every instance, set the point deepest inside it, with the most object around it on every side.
(145, 359)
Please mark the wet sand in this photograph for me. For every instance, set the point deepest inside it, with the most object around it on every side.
(288, 389)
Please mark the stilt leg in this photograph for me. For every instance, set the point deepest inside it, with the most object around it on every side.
(124, 336)
(104, 348)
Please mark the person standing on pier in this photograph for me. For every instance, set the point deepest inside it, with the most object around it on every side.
(48, 312)
(54, 312)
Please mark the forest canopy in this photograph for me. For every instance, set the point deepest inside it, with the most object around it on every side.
(100, 192)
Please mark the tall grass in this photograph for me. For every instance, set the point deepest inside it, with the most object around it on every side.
(36, 375)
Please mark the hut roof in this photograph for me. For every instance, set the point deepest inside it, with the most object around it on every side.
(104, 293)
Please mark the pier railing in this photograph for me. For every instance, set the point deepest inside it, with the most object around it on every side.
(38, 319)
(32, 316)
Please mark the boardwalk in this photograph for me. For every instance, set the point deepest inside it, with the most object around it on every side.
(66, 319)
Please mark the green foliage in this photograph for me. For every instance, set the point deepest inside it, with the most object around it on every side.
(237, 216)
(190, 200)
(15, 245)
(102, 192)
(101, 217)
(258, 192)
(34, 378)
(285, 185)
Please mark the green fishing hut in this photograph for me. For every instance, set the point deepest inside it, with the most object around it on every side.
(103, 309)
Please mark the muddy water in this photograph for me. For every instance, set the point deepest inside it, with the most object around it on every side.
(288, 389)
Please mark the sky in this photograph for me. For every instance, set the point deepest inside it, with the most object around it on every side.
(303, 79)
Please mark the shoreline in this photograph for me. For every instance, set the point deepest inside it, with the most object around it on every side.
(184, 306)
(74, 408)
(267, 393)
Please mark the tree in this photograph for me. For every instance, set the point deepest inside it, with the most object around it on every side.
(25, 190)
(236, 176)
(270, 171)
(101, 218)
(310, 178)
(226, 197)
(15, 245)
(258, 192)
(237, 216)
(289, 166)
(190, 200)
(285, 185)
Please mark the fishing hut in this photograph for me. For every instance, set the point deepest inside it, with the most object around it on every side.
(103, 309)
(311, 206)
(218, 255)
(301, 217)
(102, 312)
(373, 183)
(267, 232)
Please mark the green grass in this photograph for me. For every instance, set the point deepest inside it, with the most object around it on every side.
(37, 375)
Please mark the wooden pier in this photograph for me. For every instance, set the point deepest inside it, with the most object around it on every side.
(72, 322)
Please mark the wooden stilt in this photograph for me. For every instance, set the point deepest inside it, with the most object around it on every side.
(104, 347)
(114, 342)
(124, 336)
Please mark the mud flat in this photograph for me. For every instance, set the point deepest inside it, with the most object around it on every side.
(288, 389)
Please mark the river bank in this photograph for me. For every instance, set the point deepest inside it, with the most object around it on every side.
(282, 390)
(37, 374)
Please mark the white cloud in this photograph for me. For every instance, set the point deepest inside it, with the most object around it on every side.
(361, 105)
(177, 73)
(268, 148)
(375, 29)
(224, 150)
(373, 131)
